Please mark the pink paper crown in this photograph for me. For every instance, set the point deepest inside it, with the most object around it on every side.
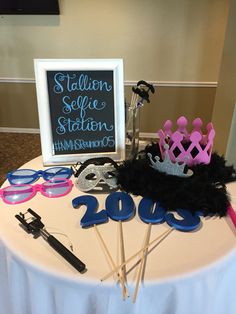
(192, 148)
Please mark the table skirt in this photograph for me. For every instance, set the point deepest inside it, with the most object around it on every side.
(25, 289)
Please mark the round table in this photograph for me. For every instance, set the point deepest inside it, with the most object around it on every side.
(185, 273)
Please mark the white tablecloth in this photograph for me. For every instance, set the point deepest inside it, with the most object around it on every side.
(192, 273)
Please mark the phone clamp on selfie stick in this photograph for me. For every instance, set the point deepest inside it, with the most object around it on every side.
(33, 224)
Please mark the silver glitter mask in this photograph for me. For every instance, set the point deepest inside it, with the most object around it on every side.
(92, 175)
(96, 175)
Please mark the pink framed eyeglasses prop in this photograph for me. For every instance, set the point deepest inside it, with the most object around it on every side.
(20, 193)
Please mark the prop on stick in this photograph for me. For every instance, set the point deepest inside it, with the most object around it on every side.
(126, 212)
(93, 218)
(153, 214)
(140, 95)
(188, 223)
(149, 214)
(154, 242)
(96, 174)
(142, 90)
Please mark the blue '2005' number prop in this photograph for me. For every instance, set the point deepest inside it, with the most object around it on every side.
(113, 209)
(91, 217)
(189, 222)
(149, 212)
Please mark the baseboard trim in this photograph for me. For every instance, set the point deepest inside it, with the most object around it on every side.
(19, 130)
(17, 80)
(126, 83)
(148, 135)
(176, 84)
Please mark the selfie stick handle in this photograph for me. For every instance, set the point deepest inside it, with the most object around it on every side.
(63, 251)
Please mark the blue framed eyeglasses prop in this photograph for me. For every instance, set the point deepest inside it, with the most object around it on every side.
(27, 176)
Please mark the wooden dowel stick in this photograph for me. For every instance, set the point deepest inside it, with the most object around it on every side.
(120, 277)
(146, 242)
(122, 247)
(132, 100)
(163, 235)
(104, 246)
(122, 254)
(136, 100)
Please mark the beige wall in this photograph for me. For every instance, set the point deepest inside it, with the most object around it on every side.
(226, 93)
(174, 40)
(172, 102)
(166, 103)
(18, 108)
(171, 40)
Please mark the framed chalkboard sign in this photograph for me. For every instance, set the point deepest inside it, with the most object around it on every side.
(81, 109)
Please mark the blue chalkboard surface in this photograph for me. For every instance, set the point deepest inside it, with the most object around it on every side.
(81, 109)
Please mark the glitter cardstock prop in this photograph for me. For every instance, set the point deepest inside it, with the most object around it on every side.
(96, 174)
(167, 166)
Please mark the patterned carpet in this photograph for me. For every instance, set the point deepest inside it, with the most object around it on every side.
(17, 149)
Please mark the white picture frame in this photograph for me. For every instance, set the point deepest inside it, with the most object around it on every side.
(100, 138)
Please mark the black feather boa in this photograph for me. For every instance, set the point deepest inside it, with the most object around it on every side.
(205, 191)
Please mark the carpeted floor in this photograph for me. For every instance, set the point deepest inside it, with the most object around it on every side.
(17, 149)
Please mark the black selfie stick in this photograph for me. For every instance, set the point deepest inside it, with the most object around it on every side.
(36, 227)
